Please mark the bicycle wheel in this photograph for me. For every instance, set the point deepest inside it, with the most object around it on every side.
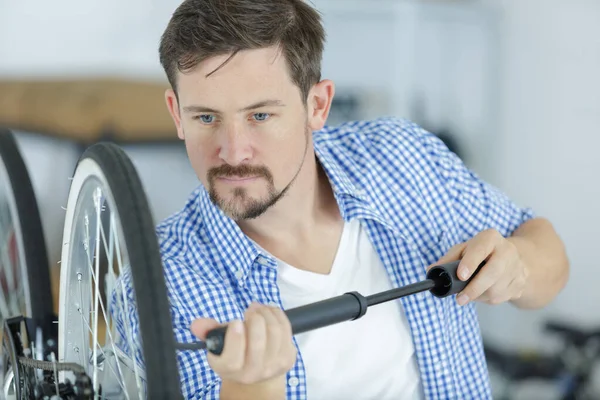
(111, 268)
(24, 269)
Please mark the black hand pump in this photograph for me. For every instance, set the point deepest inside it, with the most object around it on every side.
(442, 281)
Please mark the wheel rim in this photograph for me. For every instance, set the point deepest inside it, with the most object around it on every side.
(22, 237)
(22, 253)
(92, 226)
(15, 295)
(9, 386)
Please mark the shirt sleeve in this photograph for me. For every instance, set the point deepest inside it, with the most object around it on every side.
(198, 380)
(478, 205)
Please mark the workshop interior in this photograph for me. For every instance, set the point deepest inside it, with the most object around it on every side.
(510, 86)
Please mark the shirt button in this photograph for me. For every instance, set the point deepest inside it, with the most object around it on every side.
(263, 261)
(293, 381)
(239, 274)
(274, 304)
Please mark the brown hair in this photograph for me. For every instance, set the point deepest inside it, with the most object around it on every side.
(200, 29)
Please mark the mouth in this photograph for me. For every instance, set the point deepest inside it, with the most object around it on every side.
(237, 179)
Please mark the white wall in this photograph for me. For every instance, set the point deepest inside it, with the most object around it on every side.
(531, 108)
(550, 114)
(71, 37)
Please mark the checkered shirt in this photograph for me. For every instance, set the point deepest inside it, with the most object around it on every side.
(415, 198)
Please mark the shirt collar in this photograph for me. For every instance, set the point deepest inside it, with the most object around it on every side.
(351, 191)
(239, 253)
(235, 249)
(339, 179)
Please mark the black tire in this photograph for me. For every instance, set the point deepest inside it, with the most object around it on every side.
(158, 341)
(32, 234)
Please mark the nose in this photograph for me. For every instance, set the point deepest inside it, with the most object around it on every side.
(234, 146)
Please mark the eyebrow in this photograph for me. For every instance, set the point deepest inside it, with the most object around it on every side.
(264, 103)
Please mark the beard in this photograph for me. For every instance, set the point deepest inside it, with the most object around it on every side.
(241, 206)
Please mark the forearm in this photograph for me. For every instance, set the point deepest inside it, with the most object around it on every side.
(271, 390)
(545, 258)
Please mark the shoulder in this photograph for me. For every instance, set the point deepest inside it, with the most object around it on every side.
(407, 139)
(179, 231)
(383, 128)
(388, 148)
(386, 135)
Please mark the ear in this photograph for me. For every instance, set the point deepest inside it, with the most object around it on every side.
(319, 103)
(173, 106)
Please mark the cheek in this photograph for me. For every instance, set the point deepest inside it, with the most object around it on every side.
(287, 139)
(200, 155)
(285, 158)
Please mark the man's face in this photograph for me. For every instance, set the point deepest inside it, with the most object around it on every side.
(245, 127)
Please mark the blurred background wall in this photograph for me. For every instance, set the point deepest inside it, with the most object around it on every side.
(513, 84)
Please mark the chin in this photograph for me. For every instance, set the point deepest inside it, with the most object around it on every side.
(246, 208)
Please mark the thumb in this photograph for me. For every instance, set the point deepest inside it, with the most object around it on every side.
(455, 253)
(201, 326)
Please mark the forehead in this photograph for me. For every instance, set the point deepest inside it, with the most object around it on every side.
(247, 76)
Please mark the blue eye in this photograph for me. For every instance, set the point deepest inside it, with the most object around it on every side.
(206, 118)
(261, 116)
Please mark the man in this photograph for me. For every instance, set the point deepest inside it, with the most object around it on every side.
(291, 211)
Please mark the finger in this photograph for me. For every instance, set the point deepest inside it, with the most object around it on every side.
(256, 337)
(284, 322)
(455, 253)
(509, 286)
(515, 289)
(254, 306)
(288, 348)
(476, 252)
(232, 357)
(498, 293)
(274, 332)
(490, 273)
(201, 326)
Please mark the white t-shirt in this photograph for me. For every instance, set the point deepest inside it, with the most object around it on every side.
(371, 358)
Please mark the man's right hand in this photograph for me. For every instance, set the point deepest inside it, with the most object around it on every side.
(257, 353)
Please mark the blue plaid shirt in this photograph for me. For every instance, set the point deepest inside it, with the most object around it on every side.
(416, 200)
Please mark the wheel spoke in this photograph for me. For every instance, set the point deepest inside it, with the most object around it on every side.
(128, 322)
(100, 240)
(97, 195)
(83, 321)
(105, 314)
(108, 271)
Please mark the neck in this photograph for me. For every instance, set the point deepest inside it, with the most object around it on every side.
(308, 204)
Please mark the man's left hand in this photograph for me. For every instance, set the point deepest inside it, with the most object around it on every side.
(501, 279)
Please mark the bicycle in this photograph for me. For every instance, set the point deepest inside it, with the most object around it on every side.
(569, 369)
(24, 268)
(108, 234)
(106, 195)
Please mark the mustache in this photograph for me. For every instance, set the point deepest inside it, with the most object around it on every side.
(241, 171)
